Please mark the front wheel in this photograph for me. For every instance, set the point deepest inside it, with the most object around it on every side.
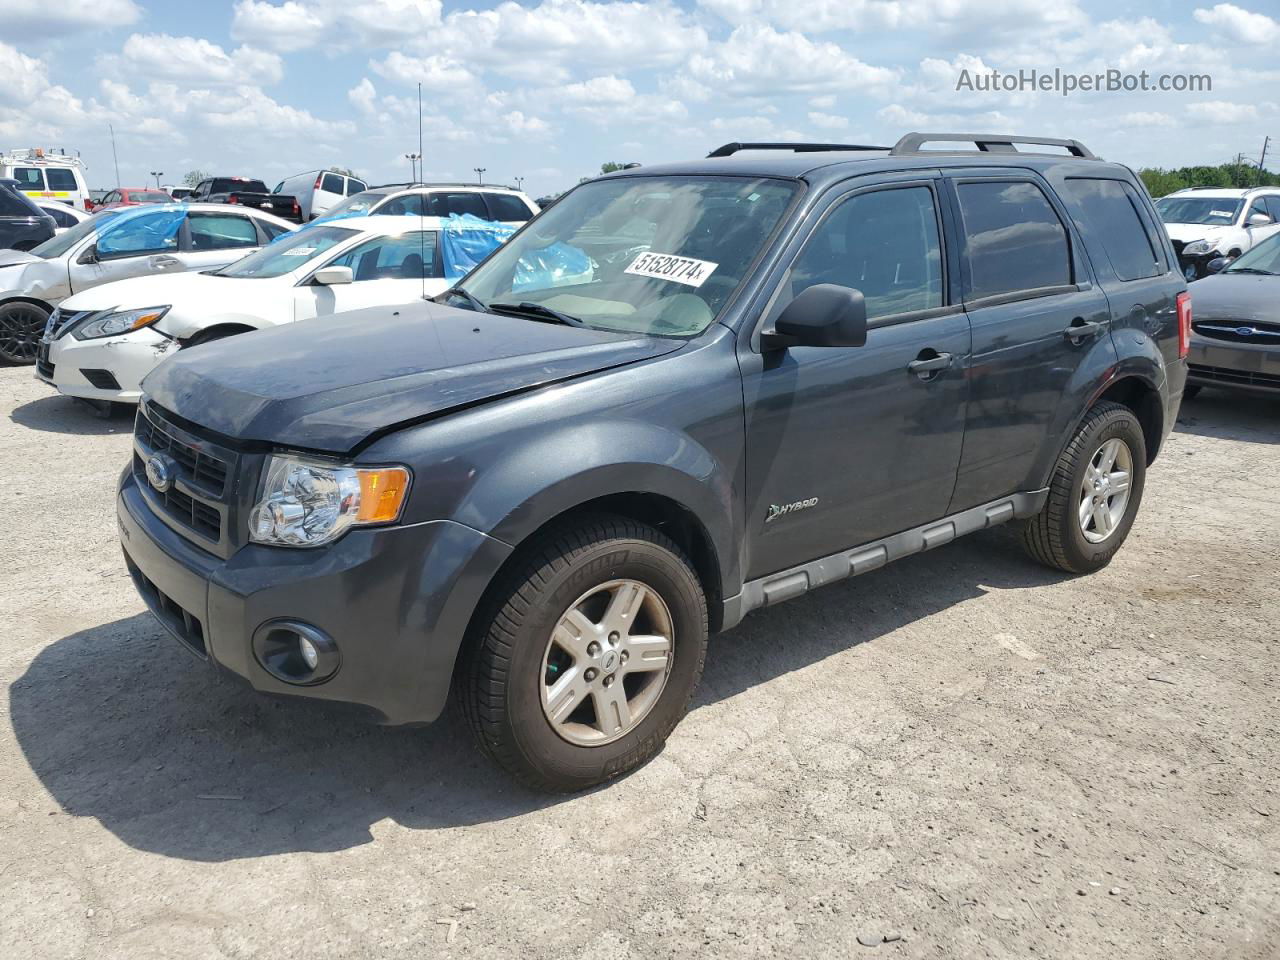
(1093, 495)
(586, 656)
(21, 327)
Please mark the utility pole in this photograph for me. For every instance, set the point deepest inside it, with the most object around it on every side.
(480, 174)
(113, 154)
(424, 173)
(1263, 159)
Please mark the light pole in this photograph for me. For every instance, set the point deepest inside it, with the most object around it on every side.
(519, 183)
(413, 159)
(157, 174)
(480, 174)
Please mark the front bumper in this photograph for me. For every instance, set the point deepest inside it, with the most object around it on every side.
(1241, 366)
(397, 600)
(74, 365)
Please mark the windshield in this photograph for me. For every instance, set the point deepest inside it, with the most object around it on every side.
(57, 246)
(355, 206)
(1212, 211)
(1264, 258)
(287, 253)
(654, 255)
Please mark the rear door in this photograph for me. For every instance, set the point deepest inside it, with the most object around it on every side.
(329, 193)
(846, 445)
(507, 208)
(445, 203)
(1039, 324)
(212, 240)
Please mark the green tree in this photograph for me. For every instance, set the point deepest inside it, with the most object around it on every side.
(610, 166)
(1161, 182)
(345, 171)
(193, 177)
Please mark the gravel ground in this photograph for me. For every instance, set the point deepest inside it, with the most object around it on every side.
(963, 755)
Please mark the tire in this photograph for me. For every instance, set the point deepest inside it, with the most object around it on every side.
(510, 660)
(21, 327)
(1057, 536)
(1191, 390)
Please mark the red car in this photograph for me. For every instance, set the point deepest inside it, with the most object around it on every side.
(132, 197)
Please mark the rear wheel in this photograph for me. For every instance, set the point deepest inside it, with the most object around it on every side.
(587, 656)
(1094, 493)
(21, 327)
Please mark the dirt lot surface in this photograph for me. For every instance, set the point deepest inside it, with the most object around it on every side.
(963, 754)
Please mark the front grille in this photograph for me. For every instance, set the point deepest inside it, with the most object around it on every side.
(43, 367)
(197, 500)
(1242, 378)
(1239, 331)
(183, 624)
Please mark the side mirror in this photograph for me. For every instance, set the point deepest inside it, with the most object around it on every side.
(1217, 264)
(1258, 220)
(89, 255)
(824, 315)
(332, 276)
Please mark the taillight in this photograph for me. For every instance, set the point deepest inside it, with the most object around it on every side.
(1184, 324)
(319, 177)
(296, 209)
(232, 198)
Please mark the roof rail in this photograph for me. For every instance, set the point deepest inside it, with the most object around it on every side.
(438, 183)
(912, 143)
(729, 149)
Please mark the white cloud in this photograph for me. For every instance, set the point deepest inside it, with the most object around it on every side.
(363, 96)
(985, 17)
(32, 107)
(439, 74)
(1223, 112)
(827, 121)
(758, 60)
(1240, 25)
(197, 61)
(824, 102)
(1145, 119)
(599, 91)
(46, 18)
(299, 24)
(517, 123)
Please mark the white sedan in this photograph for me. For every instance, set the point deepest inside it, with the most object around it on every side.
(100, 344)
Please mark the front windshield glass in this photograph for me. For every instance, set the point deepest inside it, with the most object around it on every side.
(1212, 211)
(1264, 258)
(361, 203)
(287, 253)
(60, 244)
(654, 255)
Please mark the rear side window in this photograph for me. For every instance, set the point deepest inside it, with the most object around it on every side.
(60, 217)
(272, 230)
(1013, 238)
(355, 186)
(29, 178)
(884, 244)
(1108, 216)
(447, 204)
(219, 231)
(409, 205)
(504, 206)
(332, 183)
(61, 179)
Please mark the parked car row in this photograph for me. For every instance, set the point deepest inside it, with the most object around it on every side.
(1206, 223)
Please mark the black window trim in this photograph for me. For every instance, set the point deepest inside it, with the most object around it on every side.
(1064, 220)
(947, 308)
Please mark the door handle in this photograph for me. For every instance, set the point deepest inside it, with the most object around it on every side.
(1080, 329)
(924, 366)
(165, 262)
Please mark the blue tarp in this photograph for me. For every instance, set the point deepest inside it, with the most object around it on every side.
(466, 240)
(142, 230)
(552, 266)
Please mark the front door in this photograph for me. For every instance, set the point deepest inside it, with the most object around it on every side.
(384, 270)
(846, 445)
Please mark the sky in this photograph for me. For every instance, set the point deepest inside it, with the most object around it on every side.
(547, 90)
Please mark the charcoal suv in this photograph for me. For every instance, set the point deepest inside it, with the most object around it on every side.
(682, 393)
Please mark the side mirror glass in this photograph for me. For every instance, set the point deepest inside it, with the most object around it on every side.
(89, 255)
(1258, 220)
(824, 315)
(332, 276)
(1217, 264)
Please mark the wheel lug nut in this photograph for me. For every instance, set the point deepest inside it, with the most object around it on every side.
(614, 637)
(591, 675)
(593, 649)
(608, 681)
(625, 656)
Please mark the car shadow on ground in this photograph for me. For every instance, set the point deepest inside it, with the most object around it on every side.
(121, 725)
(1231, 415)
(60, 414)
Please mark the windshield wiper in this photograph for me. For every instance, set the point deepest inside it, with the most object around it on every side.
(537, 311)
(1257, 270)
(473, 301)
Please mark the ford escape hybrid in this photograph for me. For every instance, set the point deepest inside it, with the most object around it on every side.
(682, 393)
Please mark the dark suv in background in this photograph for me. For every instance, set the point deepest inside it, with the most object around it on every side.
(682, 393)
(23, 225)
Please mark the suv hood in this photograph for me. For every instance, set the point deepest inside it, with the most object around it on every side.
(1187, 232)
(330, 384)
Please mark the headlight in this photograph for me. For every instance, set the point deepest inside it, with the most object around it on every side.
(117, 322)
(1198, 247)
(306, 503)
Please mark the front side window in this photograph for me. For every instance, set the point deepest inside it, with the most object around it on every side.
(154, 231)
(885, 244)
(1259, 206)
(1108, 215)
(358, 205)
(288, 253)
(410, 256)
(447, 204)
(409, 205)
(1273, 207)
(221, 231)
(60, 178)
(1013, 239)
(653, 255)
(29, 178)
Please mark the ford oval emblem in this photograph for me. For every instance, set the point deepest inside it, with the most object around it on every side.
(160, 472)
(1245, 331)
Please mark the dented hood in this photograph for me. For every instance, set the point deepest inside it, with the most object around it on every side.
(329, 384)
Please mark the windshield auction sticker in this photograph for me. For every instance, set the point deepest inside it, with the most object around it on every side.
(666, 266)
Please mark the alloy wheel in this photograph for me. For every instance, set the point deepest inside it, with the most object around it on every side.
(21, 326)
(1104, 490)
(606, 663)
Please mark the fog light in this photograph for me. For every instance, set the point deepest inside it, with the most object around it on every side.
(296, 652)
